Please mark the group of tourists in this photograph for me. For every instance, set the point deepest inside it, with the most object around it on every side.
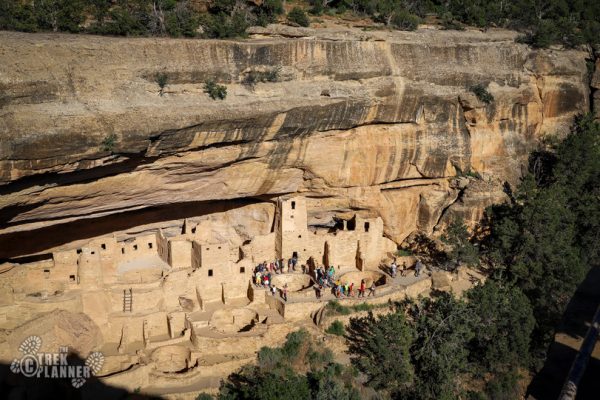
(341, 290)
(404, 269)
(276, 266)
(264, 271)
(394, 269)
(262, 277)
(324, 278)
(284, 291)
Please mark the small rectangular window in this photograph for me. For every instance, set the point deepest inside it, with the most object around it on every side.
(242, 270)
(210, 272)
(293, 205)
(72, 278)
(149, 245)
(78, 251)
(122, 250)
(367, 225)
(193, 230)
(103, 246)
(135, 246)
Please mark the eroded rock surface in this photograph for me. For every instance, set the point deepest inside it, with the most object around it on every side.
(357, 121)
(55, 329)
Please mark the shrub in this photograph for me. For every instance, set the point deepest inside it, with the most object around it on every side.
(365, 307)
(403, 253)
(60, 15)
(271, 8)
(108, 143)
(17, 16)
(336, 328)
(161, 80)
(214, 90)
(473, 174)
(405, 21)
(498, 308)
(181, 21)
(504, 386)
(253, 77)
(298, 16)
(457, 236)
(449, 23)
(336, 308)
(482, 93)
(317, 7)
(380, 349)
(122, 22)
(205, 396)
(222, 26)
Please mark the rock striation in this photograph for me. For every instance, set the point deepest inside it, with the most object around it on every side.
(378, 123)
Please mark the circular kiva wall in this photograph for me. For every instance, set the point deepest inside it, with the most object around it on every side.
(369, 277)
(295, 282)
(233, 320)
(171, 358)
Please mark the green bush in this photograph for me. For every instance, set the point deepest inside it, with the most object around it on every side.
(462, 250)
(214, 90)
(380, 348)
(365, 307)
(271, 9)
(336, 308)
(298, 16)
(450, 23)
(181, 21)
(253, 76)
(108, 143)
(161, 80)
(504, 386)
(336, 328)
(60, 15)
(403, 253)
(405, 21)
(223, 26)
(18, 16)
(498, 308)
(123, 22)
(473, 174)
(482, 93)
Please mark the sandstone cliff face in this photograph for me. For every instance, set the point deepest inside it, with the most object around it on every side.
(370, 122)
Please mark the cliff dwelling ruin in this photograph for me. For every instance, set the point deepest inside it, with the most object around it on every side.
(159, 304)
(139, 219)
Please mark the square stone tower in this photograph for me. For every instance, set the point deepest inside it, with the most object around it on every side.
(292, 227)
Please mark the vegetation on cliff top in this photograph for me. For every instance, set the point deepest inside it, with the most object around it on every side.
(543, 22)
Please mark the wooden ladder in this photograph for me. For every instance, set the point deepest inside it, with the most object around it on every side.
(127, 300)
